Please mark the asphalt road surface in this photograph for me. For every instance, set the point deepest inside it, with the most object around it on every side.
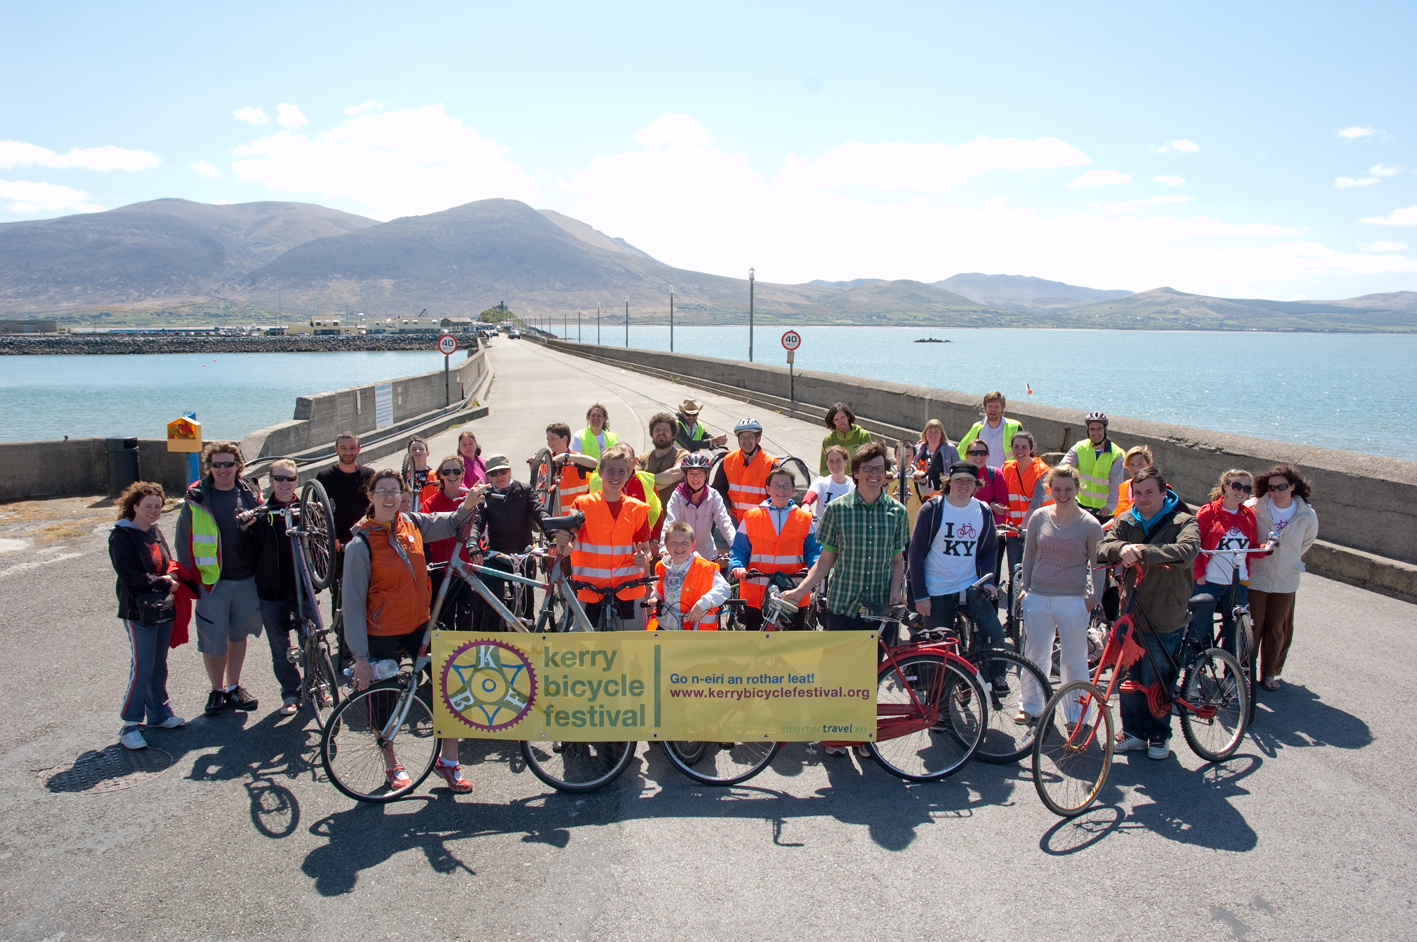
(1307, 833)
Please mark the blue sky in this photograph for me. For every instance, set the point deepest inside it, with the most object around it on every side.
(1262, 150)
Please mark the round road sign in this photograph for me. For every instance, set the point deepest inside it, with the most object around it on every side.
(791, 340)
(447, 345)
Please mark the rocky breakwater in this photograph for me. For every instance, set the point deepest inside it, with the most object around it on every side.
(297, 343)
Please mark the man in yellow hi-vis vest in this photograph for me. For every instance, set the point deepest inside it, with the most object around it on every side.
(1099, 463)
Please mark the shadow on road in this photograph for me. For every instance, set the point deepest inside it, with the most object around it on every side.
(1295, 717)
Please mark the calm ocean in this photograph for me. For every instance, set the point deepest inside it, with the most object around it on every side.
(1345, 391)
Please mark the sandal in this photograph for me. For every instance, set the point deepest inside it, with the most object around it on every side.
(1270, 683)
(398, 778)
(863, 752)
(835, 750)
(452, 774)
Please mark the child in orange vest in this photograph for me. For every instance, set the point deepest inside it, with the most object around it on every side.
(690, 587)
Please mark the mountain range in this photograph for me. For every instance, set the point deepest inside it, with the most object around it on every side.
(245, 259)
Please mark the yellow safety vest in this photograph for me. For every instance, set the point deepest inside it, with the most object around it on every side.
(589, 445)
(1095, 470)
(206, 544)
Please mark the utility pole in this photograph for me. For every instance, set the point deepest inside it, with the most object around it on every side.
(578, 325)
(751, 275)
(627, 323)
(597, 325)
(671, 318)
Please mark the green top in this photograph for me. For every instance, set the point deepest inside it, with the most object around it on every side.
(866, 539)
(854, 438)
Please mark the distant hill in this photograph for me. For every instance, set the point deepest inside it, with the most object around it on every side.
(853, 283)
(163, 251)
(1167, 308)
(1024, 293)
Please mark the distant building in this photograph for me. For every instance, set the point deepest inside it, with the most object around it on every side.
(29, 327)
(322, 327)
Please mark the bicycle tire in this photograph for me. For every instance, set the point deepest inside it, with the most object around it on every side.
(711, 764)
(1015, 631)
(544, 482)
(1070, 768)
(1005, 740)
(351, 748)
(321, 683)
(932, 753)
(799, 469)
(1215, 680)
(578, 766)
(317, 519)
(1245, 655)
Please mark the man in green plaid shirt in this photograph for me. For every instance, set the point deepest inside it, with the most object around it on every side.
(864, 535)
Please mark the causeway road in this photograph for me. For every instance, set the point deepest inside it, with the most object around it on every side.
(1307, 833)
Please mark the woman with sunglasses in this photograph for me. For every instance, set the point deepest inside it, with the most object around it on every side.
(1225, 524)
(448, 497)
(1281, 506)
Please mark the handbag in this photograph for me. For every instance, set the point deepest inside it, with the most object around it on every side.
(154, 606)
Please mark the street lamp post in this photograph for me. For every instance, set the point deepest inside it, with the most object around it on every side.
(565, 325)
(578, 325)
(671, 318)
(597, 325)
(751, 276)
(627, 323)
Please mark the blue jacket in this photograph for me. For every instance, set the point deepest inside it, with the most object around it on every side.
(741, 550)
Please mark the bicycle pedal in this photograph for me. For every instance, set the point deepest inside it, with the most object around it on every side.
(811, 748)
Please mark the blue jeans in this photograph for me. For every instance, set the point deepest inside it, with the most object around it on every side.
(147, 675)
(978, 606)
(279, 619)
(1138, 718)
(1204, 617)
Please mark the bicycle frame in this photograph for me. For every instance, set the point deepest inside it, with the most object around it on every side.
(306, 599)
(557, 586)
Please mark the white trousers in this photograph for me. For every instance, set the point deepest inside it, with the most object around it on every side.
(1044, 617)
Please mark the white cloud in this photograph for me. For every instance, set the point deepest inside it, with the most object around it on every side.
(252, 115)
(290, 116)
(20, 154)
(1398, 217)
(1099, 178)
(1166, 180)
(34, 197)
(1385, 246)
(1172, 198)
(398, 163)
(1344, 183)
(353, 110)
(670, 129)
(1355, 132)
(929, 167)
(1383, 170)
(206, 170)
(1186, 146)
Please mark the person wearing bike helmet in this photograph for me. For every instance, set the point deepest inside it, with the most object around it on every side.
(1101, 465)
(695, 503)
(742, 479)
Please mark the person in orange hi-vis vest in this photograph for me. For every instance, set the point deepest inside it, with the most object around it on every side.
(1026, 477)
(573, 470)
(775, 537)
(612, 547)
(1137, 459)
(742, 477)
(690, 589)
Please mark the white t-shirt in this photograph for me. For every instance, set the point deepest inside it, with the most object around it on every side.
(827, 491)
(1217, 567)
(1281, 518)
(578, 446)
(994, 438)
(949, 567)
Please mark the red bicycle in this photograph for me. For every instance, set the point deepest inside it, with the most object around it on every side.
(1072, 753)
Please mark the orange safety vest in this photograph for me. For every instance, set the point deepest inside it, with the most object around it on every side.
(604, 551)
(747, 482)
(697, 582)
(1021, 485)
(399, 593)
(1124, 497)
(771, 551)
(571, 486)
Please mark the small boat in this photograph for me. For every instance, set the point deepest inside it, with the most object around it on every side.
(931, 340)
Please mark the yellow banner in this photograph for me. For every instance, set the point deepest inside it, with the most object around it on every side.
(715, 686)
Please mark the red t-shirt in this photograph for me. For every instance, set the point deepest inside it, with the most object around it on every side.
(440, 551)
(643, 533)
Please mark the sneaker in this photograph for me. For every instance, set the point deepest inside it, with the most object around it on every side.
(1157, 749)
(132, 738)
(452, 774)
(290, 706)
(216, 702)
(241, 698)
(172, 722)
(1126, 742)
(1001, 687)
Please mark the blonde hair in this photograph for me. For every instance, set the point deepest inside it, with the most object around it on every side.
(1217, 492)
(1065, 471)
(934, 424)
(284, 463)
(679, 526)
(620, 452)
(1143, 450)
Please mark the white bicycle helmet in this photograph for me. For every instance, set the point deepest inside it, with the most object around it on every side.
(747, 425)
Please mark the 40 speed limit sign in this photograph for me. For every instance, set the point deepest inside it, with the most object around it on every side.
(791, 340)
(447, 345)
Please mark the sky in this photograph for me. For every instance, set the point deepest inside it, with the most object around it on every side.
(1244, 150)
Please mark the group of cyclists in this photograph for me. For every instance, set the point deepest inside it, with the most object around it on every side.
(664, 539)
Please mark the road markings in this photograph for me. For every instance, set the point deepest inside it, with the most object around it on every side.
(25, 567)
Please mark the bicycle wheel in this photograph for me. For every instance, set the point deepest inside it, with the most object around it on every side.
(317, 519)
(1070, 765)
(1245, 656)
(928, 753)
(578, 766)
(1005, 673)
(545, 483)
(799, 469)
(353, 746)
(320, 681)
(721, 763)
(1215, 682)
(1014, 631)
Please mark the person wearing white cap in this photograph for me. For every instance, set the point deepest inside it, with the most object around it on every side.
(503, 524)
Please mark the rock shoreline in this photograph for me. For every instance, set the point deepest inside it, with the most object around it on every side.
(301, 343)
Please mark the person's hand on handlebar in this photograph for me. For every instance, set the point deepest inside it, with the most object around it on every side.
(898, 596)
(796, 596)
(1131, 555)
(923, 607)
(739, 574)
(363, 674)
(694, 615)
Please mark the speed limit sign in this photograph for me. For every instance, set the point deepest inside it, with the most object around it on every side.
(791, 340)
(447, 345)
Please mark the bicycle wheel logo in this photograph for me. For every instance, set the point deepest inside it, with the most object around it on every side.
(489, 685)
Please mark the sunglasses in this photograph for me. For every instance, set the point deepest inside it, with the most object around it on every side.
(1242, 488)
(451, 472)
(284, 479)
(976, 452)
(499, 471)
(1280, 487)
(223, 464)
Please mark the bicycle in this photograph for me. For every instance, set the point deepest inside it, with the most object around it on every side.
(319, 682)
(1072, 757)
(1003, 673)
(1240, 639)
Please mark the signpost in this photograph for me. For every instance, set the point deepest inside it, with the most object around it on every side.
(791, 340)
(447, 346)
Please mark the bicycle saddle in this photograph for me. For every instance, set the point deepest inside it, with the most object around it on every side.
(1199, 599)
(571, 521)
